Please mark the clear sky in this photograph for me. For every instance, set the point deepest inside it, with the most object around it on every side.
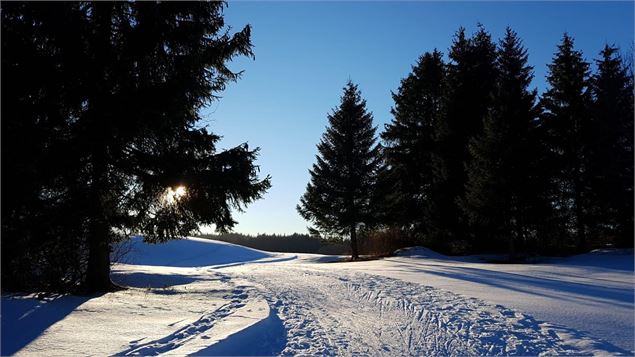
(306, 51)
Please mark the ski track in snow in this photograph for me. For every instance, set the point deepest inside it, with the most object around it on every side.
(236, 299)
(362, 314)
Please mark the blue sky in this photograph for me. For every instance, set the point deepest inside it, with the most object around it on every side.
(306, 51)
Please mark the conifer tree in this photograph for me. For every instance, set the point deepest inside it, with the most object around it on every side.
(343, 180)
(115, 90)
(409, 141)
(566, 121)
(501, 186)
(610, 141)
(469, 83)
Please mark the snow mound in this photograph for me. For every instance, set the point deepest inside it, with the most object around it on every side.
(611, 251)
(619, 259)
(187, 252)
(419, 252)
(319, 258)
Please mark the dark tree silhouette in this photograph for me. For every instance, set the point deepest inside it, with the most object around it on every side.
(471, 76)
(566, 118)
(115, 110)
(610, 142)
(43, 63)
(343, 180)
(409, 142)
(502, 185)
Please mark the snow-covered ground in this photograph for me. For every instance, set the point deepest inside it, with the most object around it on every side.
(588, 293)
(212, 298)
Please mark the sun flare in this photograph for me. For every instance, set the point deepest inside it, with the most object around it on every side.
(172, 195)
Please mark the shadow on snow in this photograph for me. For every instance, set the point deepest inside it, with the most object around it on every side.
(25, 318)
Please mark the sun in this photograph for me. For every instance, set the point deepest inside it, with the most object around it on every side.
(180, 192)
(172, 195)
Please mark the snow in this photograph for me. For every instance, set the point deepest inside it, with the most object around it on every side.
(174, 310)
(592, 292)
(189, 252)
(201, 297)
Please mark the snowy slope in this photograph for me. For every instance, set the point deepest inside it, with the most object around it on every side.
(190, 252)
(592, 292)
(211, 298)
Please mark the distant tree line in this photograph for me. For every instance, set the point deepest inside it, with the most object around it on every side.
(289, 243)
(100, 134)
(474, 160)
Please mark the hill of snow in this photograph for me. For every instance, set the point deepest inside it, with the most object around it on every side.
(187, 252)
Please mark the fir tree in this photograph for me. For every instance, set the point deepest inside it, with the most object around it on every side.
(43, 244)
(566, 121)
(409, 141)
(610, 141)
(126, 83)
(501, 187)
(343, 180)
(470, 80)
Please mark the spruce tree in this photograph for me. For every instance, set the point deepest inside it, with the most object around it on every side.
(566, 121)
(43, 60)
(470, 81)
(501, 187)
(610, 142)
(338, 199)
(119, 126)
(409, 141)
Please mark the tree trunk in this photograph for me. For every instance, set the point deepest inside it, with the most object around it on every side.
(354, 252)
(98, 269)
(512, 248)
(579, 213)
(98, 272)
(582, 244)
(515, 239)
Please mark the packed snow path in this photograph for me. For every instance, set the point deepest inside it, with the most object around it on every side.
(348, 313)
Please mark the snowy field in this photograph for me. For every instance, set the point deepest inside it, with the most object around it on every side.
(199, 297)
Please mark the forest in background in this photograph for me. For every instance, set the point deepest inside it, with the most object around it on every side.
(371, 243)
(475, 161)
(287, 243)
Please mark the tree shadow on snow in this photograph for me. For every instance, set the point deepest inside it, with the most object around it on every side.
(527, 284)
(151, 280)
(25, 318)
(264, 338)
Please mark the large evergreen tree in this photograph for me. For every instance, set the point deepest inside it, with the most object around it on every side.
(471, 76)
(610, 142)
(501, 187)
(566, 120)
(409, 141)
(114, 91)
(343, 180)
